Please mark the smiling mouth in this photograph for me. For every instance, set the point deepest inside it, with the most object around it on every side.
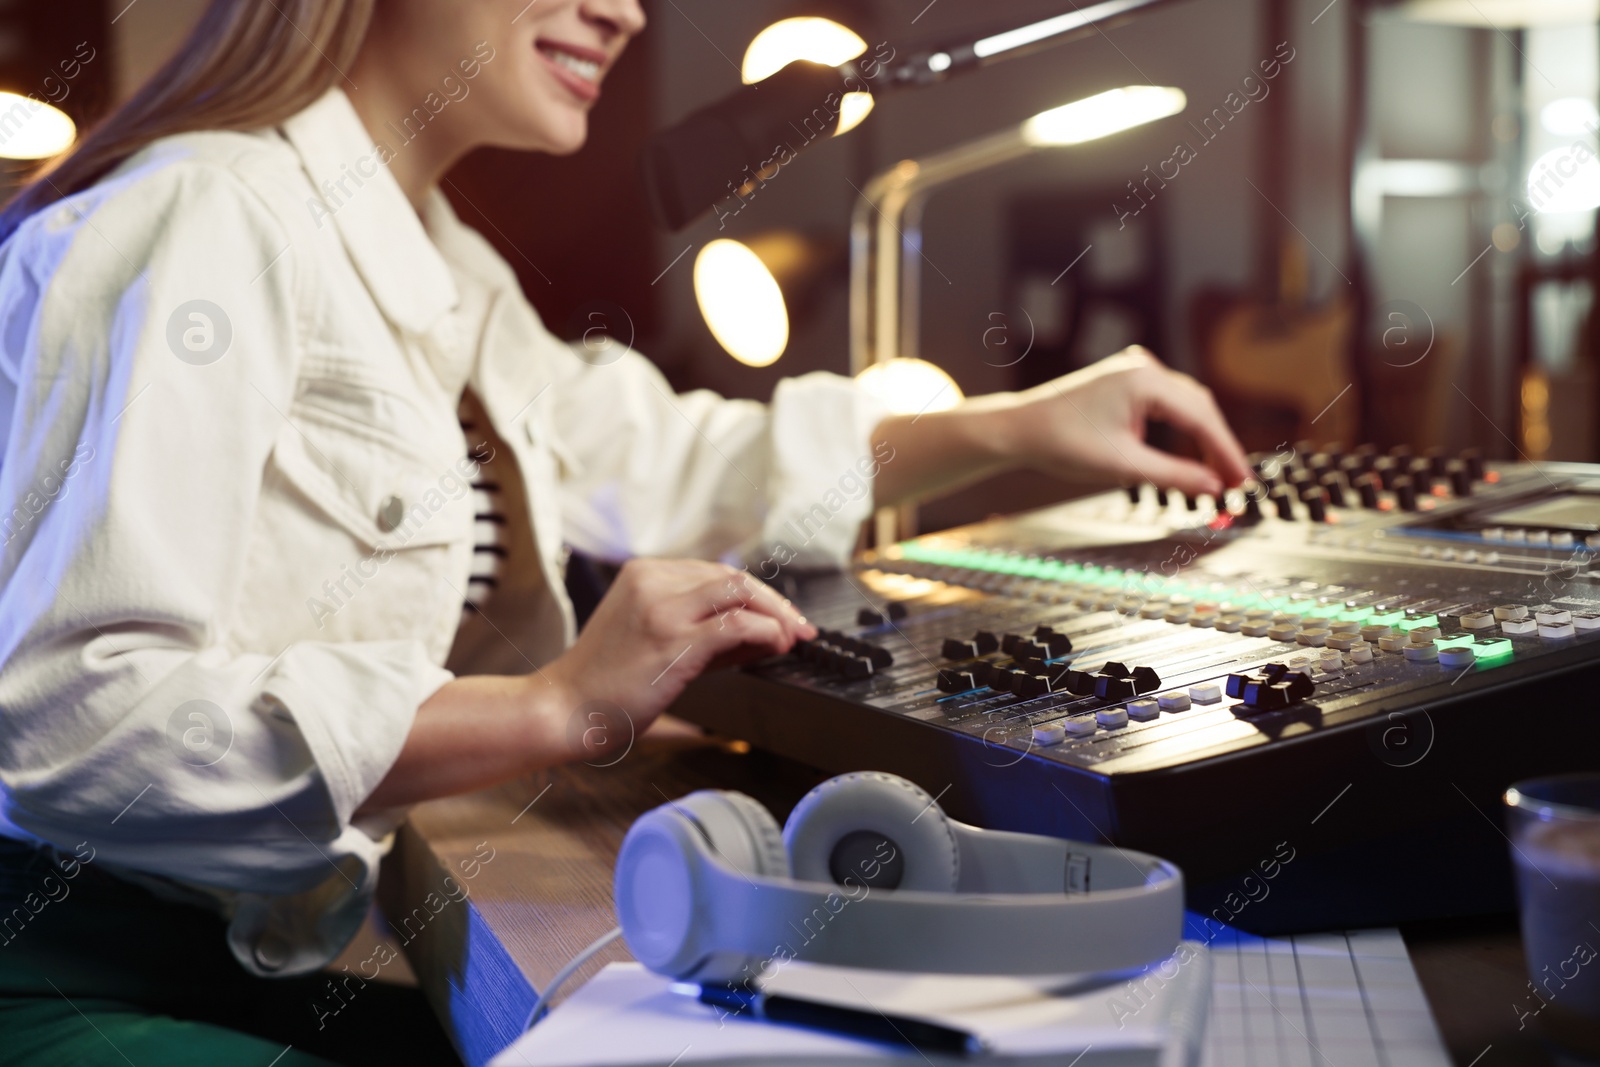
(587, 69)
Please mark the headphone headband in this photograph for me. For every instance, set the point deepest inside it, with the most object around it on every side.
(703, 890)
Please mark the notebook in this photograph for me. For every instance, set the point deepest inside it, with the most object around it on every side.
(1340, 999)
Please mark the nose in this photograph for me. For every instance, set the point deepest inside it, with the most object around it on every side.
(616, 17)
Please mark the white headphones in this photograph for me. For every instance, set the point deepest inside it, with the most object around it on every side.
(869, 872)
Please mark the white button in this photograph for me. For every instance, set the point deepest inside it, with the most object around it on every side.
(1469, 556)
(1049, 733)
(1079, 727)
(1494, 533)
(1256, 629)
(1427, 653)
(1178, 615)
(1423, 634)
(1143, 710)
(1519, 626)
(1478, 620)
(1345, 626)
(1333, 663)
(1205, 693)
(1586, 620)
(1286, 620)
(1174, 701)
(1552, 618)
(1561, 540)
(1344, 642)
(1516, 537)
(1228, 624)
(1315, 637)
(1538, 537)
(1153, 610)
(1361, 654)
(1457, 657)
(1557, 631)
(1372, 633)
(1112, 716)
(1491, 558)
(1510, 611)
(1283, 633)
(1394, 642)
(1259, 613)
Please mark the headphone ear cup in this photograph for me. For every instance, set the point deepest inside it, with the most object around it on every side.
(742, 833)
(872, 829)
(659, 886)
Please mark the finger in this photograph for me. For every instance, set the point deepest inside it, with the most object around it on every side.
(735, 593)
(749, 635)
(1173, 472)
(1186, 404)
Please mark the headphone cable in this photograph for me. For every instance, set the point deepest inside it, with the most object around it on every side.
(540, 1006)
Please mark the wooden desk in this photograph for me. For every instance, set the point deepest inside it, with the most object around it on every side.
(530, 866)
(530, 873)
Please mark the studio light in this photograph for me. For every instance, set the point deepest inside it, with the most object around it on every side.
(1565, 180)
(748, 291)
(1102, 115)
(910, 386)
(816, 40)
(32, 129)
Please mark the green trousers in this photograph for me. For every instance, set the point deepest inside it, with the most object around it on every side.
(95, 970)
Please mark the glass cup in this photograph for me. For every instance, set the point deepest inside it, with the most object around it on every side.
(1554, 826)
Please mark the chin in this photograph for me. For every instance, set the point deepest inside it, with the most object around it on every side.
(566, 137)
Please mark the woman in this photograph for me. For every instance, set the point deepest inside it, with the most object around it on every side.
(243, 330)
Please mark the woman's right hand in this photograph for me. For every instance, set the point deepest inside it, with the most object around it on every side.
(661, 624)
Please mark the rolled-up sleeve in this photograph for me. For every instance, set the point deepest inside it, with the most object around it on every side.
(151, 339)
(654, 473)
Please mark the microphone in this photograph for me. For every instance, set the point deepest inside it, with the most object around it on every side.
(731, 147)
(735, 145)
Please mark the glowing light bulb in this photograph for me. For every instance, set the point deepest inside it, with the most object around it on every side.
(32, 129)
(1565, 179)
(1103, 114)
(741, 302)
(1570, 116)
(817, 40)
(911, 386)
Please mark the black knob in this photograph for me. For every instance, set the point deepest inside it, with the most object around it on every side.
(952, 680)
(1405, 494)
(1303, 449)
(1109, 687)
(868, 617)
(1302, 477)
(983, 672)
(1386, 469)
(1460, 479)
(1146, 680)
(1438, 461)
(1474, 461)
(1191, 502)
(1422, 475)
(1078, 683)
(1161, 497)
(1402, 453)
(985, 642)
(1283, 500)
(1367, 486)
(1252, 507)
(1353, 466)
(1321, 463)
(897, 610)
(955, 648)
(1333, 485)
(1133, 493)
(1317, 505)
(880, 657)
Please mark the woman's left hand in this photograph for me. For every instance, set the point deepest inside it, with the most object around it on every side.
(1091, 421)
(1094, 420)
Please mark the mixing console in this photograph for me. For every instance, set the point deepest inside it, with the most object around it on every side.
(1309, 695)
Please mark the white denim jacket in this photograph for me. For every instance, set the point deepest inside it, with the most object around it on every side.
(229, 377)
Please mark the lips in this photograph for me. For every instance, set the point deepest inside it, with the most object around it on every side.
(579, 69)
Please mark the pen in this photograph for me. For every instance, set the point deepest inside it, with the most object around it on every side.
(852, 1022)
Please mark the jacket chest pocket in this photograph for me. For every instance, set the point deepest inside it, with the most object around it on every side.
(365, 532)
(362, 458)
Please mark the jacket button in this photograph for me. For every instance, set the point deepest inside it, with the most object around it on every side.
(271, 952)
(391, 513)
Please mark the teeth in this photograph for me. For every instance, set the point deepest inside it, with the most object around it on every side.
(587, 69)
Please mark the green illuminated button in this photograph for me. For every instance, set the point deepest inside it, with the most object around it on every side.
(1493, 651)
(1392, 618)
(1419, 621)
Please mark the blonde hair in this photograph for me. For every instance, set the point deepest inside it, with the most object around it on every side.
(246, 65)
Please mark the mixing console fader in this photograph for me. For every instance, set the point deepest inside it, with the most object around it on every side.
(1310, 695)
